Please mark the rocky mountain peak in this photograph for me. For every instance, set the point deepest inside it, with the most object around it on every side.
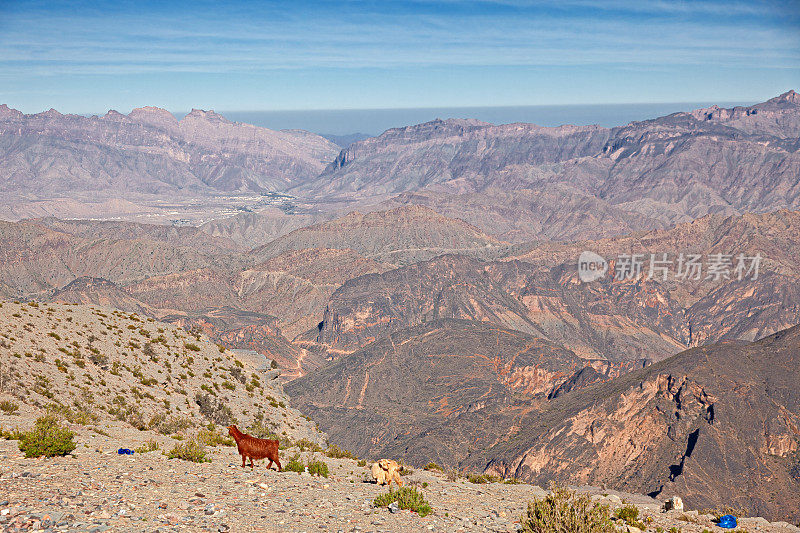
(9, 113)
(788, 96)
(115, 116)
(154, 116)
(51, 113)
(210, 116)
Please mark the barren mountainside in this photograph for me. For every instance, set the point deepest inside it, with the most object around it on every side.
(640, 176)
(719, 423)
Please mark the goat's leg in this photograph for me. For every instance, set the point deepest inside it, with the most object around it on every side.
(244, 459)
(251, 463)
(269, 465)
(277, 462)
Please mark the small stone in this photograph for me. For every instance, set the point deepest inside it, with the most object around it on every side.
(632, 529)
(394, 508)
(223, 528)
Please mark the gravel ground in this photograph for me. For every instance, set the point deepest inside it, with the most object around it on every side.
(98, 490)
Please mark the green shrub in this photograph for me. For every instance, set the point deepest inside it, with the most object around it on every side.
(630, 515)
(149, 446)
(477, 478)
(210, 437)
(47, 438)
(305, 444)
(335, 452)
(81, 414)
(10, 434)
(406, 498)
(318, 468)
(8, 407)
(562, 510)
(191, 346)
(167, 426)
(191, 450)
(433, 467)
(295, 465)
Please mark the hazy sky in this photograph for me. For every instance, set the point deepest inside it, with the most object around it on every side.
(86, 57)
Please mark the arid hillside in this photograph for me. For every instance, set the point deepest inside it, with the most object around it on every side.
(90, 363)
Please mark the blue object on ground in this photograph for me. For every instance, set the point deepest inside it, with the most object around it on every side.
(728, 521)
(125, 451)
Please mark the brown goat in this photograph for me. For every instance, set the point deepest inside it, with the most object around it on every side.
(254, 448)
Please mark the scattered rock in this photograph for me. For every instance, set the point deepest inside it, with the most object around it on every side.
(674, 504)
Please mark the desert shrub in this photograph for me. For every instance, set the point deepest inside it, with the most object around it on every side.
(406, 498)
(484, 478)
(167, 426)
(129, 414)
(10, 434)
(318, 468)
(362, 462)
(237, 373)
(211, 437)
(452, 475)
(630, 515)
(81, 414)
(307, 445)
(562, 510)
(8, 407)
(191, 450)
(433, 467)
(214, 410)
(335, 452)
(149, 446)
(295, 465)
(191, 346)
(47, 438)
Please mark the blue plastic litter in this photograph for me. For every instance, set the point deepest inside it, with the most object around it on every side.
(728, 521)
(125, 451)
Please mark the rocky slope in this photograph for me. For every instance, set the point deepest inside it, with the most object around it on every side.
(403, 235)
(92, 364)
(440, 377)
(716, 424)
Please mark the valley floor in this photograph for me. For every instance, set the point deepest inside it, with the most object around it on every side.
(98, 490)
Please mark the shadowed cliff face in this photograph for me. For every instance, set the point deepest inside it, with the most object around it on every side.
(717, 425)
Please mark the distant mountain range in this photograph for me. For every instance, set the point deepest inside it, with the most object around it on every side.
(516, 182)
(569, 181)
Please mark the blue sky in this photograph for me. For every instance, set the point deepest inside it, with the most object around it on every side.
(87, 57)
